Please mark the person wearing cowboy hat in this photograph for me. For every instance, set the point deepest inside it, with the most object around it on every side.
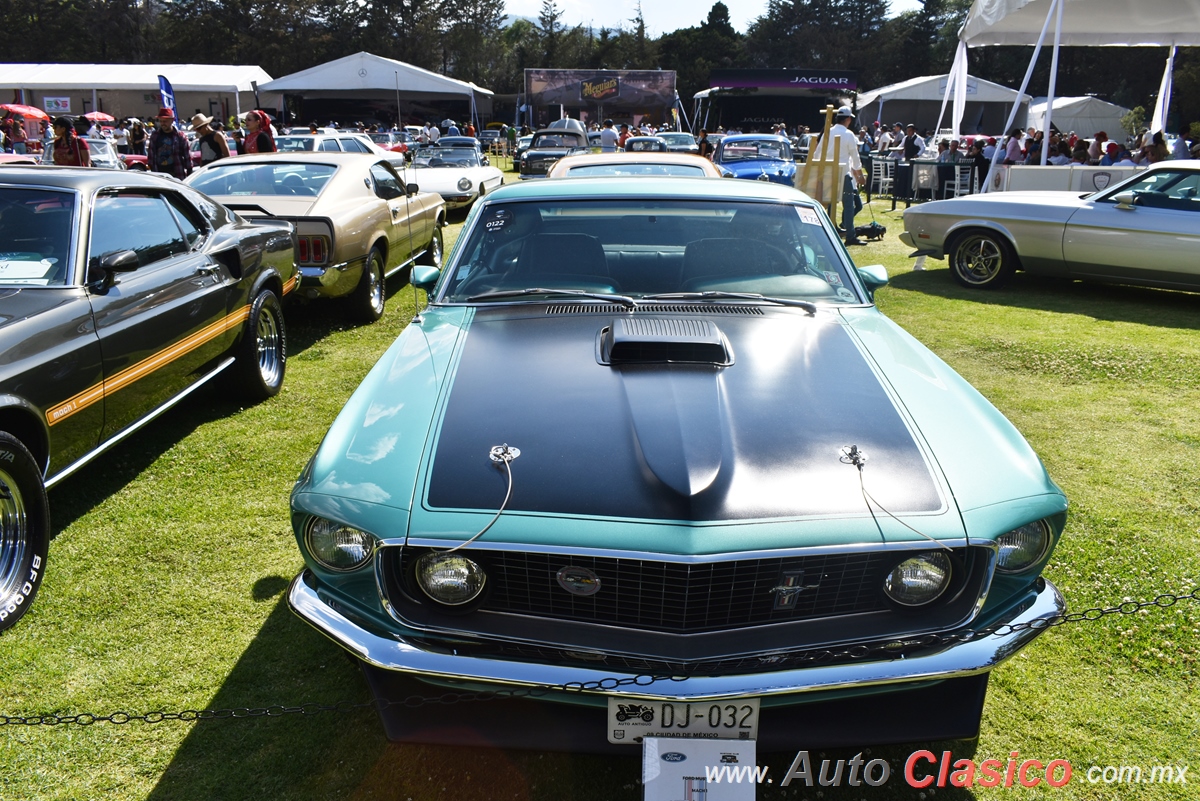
(168, 149)
(213, 145)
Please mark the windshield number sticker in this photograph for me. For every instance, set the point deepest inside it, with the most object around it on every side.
(808, 216)
(845, 294)
(497, 220)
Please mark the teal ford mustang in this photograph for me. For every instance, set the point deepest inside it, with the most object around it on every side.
(652, 454)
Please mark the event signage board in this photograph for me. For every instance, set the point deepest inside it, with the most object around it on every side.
(599, 88)
(56, 105)
(832, 81)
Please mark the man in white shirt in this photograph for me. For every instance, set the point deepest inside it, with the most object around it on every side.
(850, 167)
(1181, 150)
(912, 146)
(608, 138)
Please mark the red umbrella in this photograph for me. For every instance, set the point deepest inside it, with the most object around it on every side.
(99, 116)
(25, 111)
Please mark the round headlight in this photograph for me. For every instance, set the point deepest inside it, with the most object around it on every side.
(338, 547)
(919, 579)
(450, 578)
(464, 184)
(1023, 546)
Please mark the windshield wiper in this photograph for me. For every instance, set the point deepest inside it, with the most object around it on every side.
(624, 300)
(811, 308)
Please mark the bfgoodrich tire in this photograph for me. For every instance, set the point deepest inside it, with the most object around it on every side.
(982, 260)
(366, 304)
(262, 354)
(24, 529)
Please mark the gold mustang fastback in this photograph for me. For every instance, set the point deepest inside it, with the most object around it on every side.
(356, 220)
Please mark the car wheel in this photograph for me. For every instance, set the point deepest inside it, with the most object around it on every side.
(369, 296)
(433, 254)
(262, 354)
(24, 529)
(982, 260)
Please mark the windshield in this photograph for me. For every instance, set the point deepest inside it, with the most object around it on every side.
(285, 144)
(641, 248)
(447, 157)
(637, 168)
(275, 178)
(35, 236)
(558, 139)
(747, 150)
(678, 138)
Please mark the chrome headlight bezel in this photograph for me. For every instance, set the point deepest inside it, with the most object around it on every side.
(1037, 537)
(464, 184)
(337, 547)
(901, 580)
(468, 573)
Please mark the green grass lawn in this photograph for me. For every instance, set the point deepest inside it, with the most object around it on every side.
(165, 582)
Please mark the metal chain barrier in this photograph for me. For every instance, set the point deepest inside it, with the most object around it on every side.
(1163, 601)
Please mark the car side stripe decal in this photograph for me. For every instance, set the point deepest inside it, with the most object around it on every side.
(290, 284)
(143, 368)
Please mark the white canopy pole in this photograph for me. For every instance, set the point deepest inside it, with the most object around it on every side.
(1050, 89)
(1012, 115)
(1163, 104)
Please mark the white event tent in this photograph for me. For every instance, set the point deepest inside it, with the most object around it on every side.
(367, 76)
(132, 89)
(1110, 23)
(1084, 115)
(916, 100)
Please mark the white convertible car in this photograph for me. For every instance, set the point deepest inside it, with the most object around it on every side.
(459, 174)
(1144, 230)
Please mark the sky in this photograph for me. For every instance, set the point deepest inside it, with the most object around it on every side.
(662, 16)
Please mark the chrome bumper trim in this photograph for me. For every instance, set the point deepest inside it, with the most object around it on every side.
(392, 652)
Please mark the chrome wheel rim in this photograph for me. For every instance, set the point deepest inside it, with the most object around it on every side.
(435, 249)
(375, 284)
(979, 259)
(14, 536)
(270, 359)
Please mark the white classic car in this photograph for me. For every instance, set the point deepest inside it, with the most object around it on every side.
(459, 174)
(1144, 230)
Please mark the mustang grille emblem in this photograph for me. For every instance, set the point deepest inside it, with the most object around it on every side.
(787, 592)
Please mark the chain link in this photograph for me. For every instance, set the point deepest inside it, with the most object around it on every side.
(1163, 601)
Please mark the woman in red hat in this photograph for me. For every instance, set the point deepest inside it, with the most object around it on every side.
(258, 133)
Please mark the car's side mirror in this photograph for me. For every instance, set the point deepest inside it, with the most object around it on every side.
(118, 261)
(1124, 200)
(425, 277)
(485, 162)
(412, 189)
(873, 276)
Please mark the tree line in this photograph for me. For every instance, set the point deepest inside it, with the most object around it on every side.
(473, 40)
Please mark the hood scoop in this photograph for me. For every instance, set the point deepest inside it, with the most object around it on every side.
(651, 340)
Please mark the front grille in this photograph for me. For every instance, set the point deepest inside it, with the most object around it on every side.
(684, 598)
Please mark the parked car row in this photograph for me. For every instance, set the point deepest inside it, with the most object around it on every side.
(122, 292)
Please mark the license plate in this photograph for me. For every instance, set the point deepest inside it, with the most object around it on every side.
(630, 720)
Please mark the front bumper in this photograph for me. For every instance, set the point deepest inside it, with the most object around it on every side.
(389, 651)
(922, 249)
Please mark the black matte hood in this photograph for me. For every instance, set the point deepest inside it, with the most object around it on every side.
(759, 437)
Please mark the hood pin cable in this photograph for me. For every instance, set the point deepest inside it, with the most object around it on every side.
(500, 454)
(851, 454)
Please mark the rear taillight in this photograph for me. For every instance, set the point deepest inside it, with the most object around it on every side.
(312, 249)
